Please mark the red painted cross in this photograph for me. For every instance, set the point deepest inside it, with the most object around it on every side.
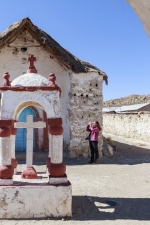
(32, 59)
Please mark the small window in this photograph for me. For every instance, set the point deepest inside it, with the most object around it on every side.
(24, 49)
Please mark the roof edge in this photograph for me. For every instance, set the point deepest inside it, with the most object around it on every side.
(62, 55)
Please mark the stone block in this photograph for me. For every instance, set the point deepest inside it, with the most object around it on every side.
(58, 180)
(5, 182)
(36, 201)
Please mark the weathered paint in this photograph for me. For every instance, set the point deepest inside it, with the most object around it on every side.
(38, 201)
(30, 79)
(46, 99)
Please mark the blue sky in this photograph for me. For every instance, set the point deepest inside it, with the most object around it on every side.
(106, 33)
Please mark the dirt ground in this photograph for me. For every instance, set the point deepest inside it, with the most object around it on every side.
(114, 192)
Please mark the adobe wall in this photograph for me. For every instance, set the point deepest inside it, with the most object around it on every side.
(85, 106)
(128, 125)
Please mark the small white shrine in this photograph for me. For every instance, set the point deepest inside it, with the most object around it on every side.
(26, 196)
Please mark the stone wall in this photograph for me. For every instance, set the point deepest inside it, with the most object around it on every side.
(128, 125)
(85, 106)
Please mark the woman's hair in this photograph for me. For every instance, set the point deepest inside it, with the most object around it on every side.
(98, 125)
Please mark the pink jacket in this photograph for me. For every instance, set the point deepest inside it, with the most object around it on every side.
(94, 132)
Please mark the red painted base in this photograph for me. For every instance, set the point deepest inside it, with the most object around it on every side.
(14, 162)
(48, 161)
(29, 173)
(57, 170)
(6, 172)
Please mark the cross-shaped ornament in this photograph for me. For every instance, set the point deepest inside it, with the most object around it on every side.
(32, 68)
(29, 125)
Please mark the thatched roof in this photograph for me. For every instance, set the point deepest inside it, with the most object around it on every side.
(61, 54)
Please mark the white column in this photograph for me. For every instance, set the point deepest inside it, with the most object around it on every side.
(13, 138)
(57, 158)
(50, 145)
(57, 149)
(5, 157)
(5, 151)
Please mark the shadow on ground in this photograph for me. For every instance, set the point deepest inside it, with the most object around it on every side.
(95, 208)
(125, 154)
(90, 208)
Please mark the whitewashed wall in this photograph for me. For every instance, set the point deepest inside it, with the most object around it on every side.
(13, 60)
(131, 126)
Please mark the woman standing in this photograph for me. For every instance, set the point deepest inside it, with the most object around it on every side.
(94, 129)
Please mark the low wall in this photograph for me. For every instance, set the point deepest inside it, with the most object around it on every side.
(128, 125)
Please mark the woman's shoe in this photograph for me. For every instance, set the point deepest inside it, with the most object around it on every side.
(97, 161)
(90, 162)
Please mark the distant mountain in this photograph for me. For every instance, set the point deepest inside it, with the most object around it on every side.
(129, 100)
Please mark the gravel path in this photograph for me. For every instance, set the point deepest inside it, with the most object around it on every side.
(114, 192)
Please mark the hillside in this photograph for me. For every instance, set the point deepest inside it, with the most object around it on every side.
(129, 100)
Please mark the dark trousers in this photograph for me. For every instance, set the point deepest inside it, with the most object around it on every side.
(94, 150)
